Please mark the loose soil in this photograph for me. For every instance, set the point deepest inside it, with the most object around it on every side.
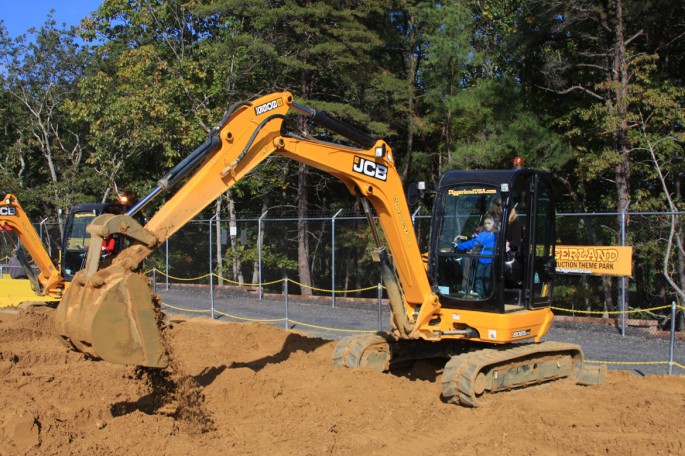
(252, 389)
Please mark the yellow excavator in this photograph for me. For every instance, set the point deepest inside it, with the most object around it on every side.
(487, 322)
(48, 284)
(44, 287)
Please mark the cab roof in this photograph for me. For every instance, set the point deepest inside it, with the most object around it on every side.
(488, 177)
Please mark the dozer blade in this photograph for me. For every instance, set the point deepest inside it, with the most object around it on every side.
(113, 317)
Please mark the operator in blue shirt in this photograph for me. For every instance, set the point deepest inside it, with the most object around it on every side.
(486, 240)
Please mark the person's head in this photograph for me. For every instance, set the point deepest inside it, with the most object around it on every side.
(489, 222)
(496, 207)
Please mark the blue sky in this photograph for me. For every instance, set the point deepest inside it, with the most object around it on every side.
(20, 15)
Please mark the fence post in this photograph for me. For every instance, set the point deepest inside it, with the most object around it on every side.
(670, 354)
(413, 216)
(623, 279)
(166, 264)
(46, 242)
(286, 303)
(380, 309)
(211, 272)
(333, 257)
(154, 280)
(259, 254)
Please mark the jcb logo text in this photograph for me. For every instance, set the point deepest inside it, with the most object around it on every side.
(8, 210)
(369, 168)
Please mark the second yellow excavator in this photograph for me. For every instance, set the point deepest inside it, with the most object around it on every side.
(46, 283)
(479, 310)
(45, 286)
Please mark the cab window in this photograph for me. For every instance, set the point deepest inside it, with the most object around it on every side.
(466, 261)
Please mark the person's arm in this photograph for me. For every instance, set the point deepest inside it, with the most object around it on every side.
(514, 235)
(467, 245)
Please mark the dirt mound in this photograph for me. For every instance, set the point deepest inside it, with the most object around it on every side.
(252, 389)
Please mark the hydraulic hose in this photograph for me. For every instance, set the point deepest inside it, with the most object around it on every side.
(177, 173)
(322, 119)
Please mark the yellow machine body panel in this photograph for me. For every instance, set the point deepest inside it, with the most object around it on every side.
(14, 292)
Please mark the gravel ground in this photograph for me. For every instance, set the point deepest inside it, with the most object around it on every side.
(637, 351)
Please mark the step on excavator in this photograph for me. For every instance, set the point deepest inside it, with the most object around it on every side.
(484, 311)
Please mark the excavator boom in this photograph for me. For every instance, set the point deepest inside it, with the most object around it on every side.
(109, 297)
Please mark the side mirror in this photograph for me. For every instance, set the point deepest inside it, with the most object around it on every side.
(414, 191)
(412, 194)
(549, 269)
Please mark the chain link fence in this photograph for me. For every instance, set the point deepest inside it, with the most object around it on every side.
(341, 265)
(264, 250)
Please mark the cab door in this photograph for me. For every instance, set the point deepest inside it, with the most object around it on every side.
(542, 242)
(533, 199)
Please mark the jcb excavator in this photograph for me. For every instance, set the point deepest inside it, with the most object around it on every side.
(46, 286)
(109, 312)
(50, 283)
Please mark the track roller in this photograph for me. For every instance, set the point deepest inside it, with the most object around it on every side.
(384, 352)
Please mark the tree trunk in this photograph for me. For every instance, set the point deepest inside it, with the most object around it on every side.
(621, 142)
(411, 102)
(306, 85)
(302, 231)
(232, 227)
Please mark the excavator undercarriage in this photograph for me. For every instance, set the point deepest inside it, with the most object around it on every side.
(472, 371)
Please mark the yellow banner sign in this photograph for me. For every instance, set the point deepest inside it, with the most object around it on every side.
(579, 259)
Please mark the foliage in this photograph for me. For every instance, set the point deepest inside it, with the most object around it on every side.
(44, 147)
(588, 90)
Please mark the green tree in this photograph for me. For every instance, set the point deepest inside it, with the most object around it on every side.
(147, 98)
(474, 96)
(46, 153)
(318, 49)
(598, 69)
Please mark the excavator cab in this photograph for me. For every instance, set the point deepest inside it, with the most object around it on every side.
(76, 240)
(516, 272)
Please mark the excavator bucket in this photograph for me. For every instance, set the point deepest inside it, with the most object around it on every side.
(112, 317)
(109, 312)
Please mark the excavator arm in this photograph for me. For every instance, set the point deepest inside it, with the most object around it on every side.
(12, 216)
(109, 312)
